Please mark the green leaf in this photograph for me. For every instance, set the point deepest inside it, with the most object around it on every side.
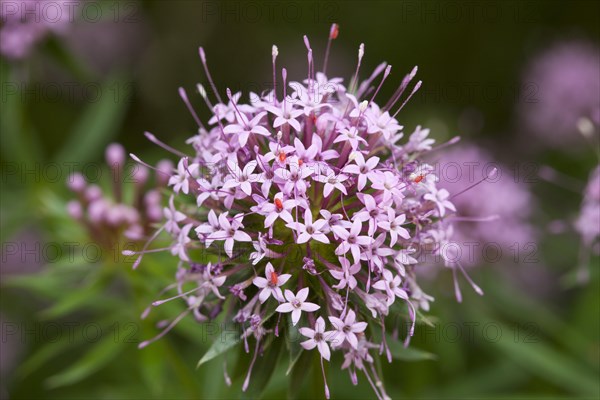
(43, 355)
(97, 125)
(399, 352)
(516, 306)
(69, 61)
(14, 211)
(17, 141)
(153, 366)
(293, 339)
(100, 354)
(301, 369)
(426, 319)
(489, 379)
(222, 344)
(543, 361)
(87, 298)
(46, 285)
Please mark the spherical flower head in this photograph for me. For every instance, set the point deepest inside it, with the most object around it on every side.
(306, 202)
(561, 87)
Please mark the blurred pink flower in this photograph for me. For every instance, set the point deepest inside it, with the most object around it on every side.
(503, 202)
(26, 22)
(564, 86)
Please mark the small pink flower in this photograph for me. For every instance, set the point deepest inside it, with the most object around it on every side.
(241, 178)
(180, 180)
(278, 209)
(346, 330)
(271, 284)
(351, 240)
(285, 115)
(440, 198)
(309, 229)
(332, 181)
(351, 136)
(212, 226)
(372, 212)
(293, 179)
(317, 338)
(364, 169)
(346, 275)
(296, 304)
(244, 128)
(173, 217)
(392, 224)
(389, 183)
(392, 286)
(179, 248)
(229, 232)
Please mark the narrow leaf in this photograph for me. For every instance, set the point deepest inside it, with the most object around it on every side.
(97, 357)
(222, 344)
(98, 124)
(411, 353)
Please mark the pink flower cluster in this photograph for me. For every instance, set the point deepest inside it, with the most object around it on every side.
(562, 84)
(131, 209)
(26, 22)
(309, 202)
(496, 213)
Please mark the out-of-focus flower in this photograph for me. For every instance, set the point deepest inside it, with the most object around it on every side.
(130, 210)
(325, 195)
(588, 222)
(561, 86)
(27, 22)
(492, 215)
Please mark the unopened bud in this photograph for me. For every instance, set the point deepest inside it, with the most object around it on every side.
(140, 175)
(76, 182)
(74, 209)
(115, 155)
(92, 193)
(165, 170)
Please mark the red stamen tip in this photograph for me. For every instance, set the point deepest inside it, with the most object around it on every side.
(278, 204)
(335, 30)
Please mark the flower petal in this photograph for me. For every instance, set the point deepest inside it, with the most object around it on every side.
(285, 308)
(310, 307)
(296, 313)
(302, 294)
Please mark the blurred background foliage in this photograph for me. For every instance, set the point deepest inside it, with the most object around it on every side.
(533, 335)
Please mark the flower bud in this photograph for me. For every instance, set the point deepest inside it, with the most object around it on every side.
(76, 182)
(115, 156)
(74, 209)
(140, 175)
(165, 168)
(92, 193)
